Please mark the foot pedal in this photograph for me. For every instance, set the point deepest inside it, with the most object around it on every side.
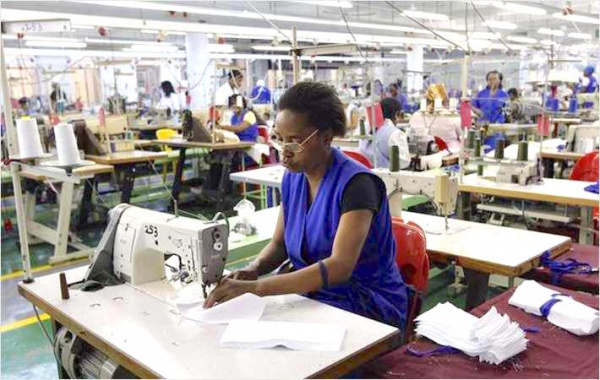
(455, 290)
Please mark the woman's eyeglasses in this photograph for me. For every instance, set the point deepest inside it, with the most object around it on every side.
(292, 147)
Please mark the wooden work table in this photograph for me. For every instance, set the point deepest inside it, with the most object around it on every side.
(130, 157)
(83, 171)
(485, 247)
(562, 191)
(569, 156)
(212, 146)
(140, 329)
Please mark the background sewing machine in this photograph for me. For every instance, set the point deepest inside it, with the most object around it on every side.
(440, 188)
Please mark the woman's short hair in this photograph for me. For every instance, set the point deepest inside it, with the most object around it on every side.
(320, 105)
(167, 88)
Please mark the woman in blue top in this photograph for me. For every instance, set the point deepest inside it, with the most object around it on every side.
(334, 226)
(489, 103)
(243, 120)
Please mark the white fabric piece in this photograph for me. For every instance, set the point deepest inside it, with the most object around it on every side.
(248, 306)
(257, 151)
(293, 335)
(567, 314)
(223, 93)
(493, 337)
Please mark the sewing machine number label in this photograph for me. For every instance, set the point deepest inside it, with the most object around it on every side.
(152, 230)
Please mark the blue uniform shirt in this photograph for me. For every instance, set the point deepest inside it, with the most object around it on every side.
(260, 95)
(250, 133)
(375, 289)
(491, 106)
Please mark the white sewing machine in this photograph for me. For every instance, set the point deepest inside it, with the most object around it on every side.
(521, 172)
(136, 241)
(440, 188)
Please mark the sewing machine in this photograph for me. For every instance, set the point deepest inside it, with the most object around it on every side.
(521, 172)
(136, 241)
(440, 188)
(133, 250)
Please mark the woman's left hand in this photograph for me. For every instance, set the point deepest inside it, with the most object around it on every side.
(228, 289)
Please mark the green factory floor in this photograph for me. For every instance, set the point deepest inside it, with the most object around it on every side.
(25, 351)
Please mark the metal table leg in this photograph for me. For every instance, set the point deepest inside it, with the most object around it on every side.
(178, 178)
(586, 236)
(86, 203)
(127, 182)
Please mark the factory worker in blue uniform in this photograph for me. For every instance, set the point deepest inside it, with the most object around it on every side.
(489, 102)
(334, 224)
(243, 121)
(589, 84)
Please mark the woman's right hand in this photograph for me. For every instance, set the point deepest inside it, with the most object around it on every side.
(244, 274)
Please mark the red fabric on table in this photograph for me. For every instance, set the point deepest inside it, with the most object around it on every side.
(583, 282)
(551, 352)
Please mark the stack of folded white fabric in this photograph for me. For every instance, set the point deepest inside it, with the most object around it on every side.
(493, 338)
(566, 313)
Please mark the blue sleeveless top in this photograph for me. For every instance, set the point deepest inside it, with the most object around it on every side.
(250, 133)
(375, 289)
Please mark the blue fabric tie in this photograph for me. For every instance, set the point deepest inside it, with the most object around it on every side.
(558, 268)
(444, 350)
(593, 188)
(547, 306)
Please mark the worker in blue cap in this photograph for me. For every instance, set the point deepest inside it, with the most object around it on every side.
(588, 85)
(489, 102)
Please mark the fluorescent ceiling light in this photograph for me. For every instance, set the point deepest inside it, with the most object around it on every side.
(426, 15)
(164, 48)
(177, 34)
(149, 31)
(39, 38)
(271, 48)
(519, 8)
(82, 27)
(90, 53)
(395, 28)
(485, 35)
(500, 24)
(551, 32)
(220, 48)
(121, 22)
(325, 3)
(57, 44)
(396, 51)
(577, 18)
(581, 36)
(125, 42)
(548, 42)
(525, 40)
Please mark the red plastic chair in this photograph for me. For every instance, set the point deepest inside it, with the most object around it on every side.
(440, 143)
(359, 157)
(263, 131)
(413, 263)
(586, 169)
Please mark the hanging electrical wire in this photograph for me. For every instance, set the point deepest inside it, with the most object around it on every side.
(269, 21)
(352, 34)
(492, 30)
(425, 27)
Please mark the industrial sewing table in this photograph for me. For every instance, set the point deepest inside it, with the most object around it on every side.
(224, 152)
(59, 237)
(559, 191)
(272, 176)
(126, 162)
(139, 329)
